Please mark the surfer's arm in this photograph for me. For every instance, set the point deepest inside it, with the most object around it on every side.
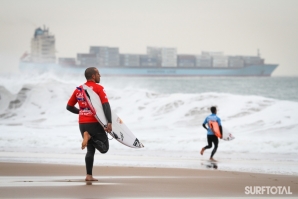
(71, 103)
(204, 124)
(72, 109)
(108, 113)
(107, 110)
(220, 128)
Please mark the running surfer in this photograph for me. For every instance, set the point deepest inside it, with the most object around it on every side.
(94, 135)
(211, 120)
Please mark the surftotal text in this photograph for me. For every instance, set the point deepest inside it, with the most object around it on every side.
(270, 190)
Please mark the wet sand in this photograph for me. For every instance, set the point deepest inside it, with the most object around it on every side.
(28, 180)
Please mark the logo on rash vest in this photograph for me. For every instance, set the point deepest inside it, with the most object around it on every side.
(86, 112)
(80, 97)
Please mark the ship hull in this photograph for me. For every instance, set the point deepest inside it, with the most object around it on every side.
(254, 70)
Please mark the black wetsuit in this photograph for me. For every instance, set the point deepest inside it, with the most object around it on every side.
(98, 140)
(210, 139)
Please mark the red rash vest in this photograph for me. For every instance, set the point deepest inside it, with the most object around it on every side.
(85, 114)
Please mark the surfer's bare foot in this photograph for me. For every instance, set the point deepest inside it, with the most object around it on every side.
(85, 139)
(202, 151)
(90, 178)
(212, 160)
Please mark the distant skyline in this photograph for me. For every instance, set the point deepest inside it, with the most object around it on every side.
(231, 26)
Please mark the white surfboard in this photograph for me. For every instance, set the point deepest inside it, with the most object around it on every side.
(227, 135)
(120, 131)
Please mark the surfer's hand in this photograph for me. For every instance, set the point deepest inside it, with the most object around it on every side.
(108, 128)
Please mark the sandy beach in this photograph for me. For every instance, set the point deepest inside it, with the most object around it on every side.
(29, 180)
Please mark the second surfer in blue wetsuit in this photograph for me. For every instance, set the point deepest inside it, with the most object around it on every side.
(211, 137)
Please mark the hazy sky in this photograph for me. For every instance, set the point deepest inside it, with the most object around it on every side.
(235, 27)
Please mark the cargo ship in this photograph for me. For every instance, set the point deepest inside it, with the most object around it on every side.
(157, 61)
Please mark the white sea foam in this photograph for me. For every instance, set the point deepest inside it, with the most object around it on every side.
(34, 119)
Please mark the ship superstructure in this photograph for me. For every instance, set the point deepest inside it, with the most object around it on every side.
(43, 46)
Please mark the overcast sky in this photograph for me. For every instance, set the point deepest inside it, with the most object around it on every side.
(235, 27)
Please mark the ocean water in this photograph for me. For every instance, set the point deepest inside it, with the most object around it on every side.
(166, 114)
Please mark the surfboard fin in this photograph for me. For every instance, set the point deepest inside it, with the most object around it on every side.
(137, 143)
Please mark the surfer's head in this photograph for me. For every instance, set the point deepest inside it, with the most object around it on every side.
(213, 109)
(92, 74)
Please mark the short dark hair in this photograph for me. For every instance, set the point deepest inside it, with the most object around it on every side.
(213, 109)
(89, 72)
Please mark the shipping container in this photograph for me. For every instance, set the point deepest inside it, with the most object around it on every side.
(236, 61)
(129, 60)
(155, 52)
(146, 60)
(211, 54)
(166, 57)
(107, 56)
(252, 60)
(87, 59)
(169, 57)
(63, 61)
(203, 61)
(220, 61)
(186, 60)
(98, 49)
